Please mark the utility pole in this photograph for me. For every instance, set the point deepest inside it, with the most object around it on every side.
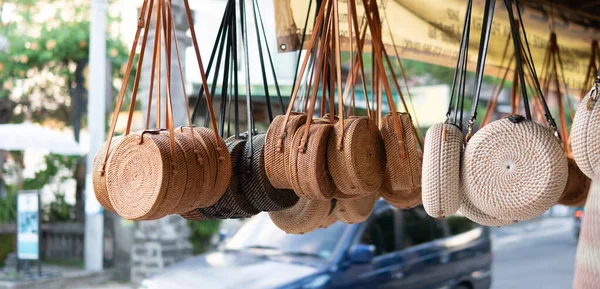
(94, 216)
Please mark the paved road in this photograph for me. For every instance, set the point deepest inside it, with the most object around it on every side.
(541, 256)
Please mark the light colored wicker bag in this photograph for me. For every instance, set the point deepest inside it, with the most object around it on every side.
(441, 191)
(514, 169)
(585, 140)
(587, 262)
(472, 213)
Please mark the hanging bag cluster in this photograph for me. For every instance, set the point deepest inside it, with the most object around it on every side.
(152, 173)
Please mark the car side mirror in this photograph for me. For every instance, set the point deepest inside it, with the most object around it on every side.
(361, 254)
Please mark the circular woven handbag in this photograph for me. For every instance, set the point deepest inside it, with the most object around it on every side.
(98, 178)
(403, 161)
(331, 218)
(233, 204)
(277, 160)
(223, 162)
(193, 163)
(357, 210)
(441, 170)
(358, 167)
(144, 182)
(472, 213)
(514, 169)
(577, 188)
(403, 199)
(255, 183)
(585, 140)
(309, 173)
(305, 216)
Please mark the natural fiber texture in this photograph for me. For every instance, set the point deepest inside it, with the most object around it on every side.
(352, 211)
(472, 213)
(402, 199)
(139, 174)
(223, 166)
(514, 171)
(194, 215)
(234, 203)
(587, 262)
(441, 170)
(585, 140)
(578, 186)
(404, 172)
(255, 184)
(358, 169)
(206, 197)
(194, 168)
(309, 173)
(277, 162)
(331, 218)
(98, 179)
(306, 216)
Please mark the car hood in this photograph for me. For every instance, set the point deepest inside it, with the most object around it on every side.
(231, 270)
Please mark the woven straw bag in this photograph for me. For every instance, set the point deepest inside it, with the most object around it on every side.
(277, 160)
(255, 183)
(577, 188)
(472, 213)
(402, 199)
(357, 210)
(305, 216)
(223, 161)
(310, 177)
(331, 218)
(98, 179)
(145, 181)
(585, 140)
(403, 161)
(358, 166)
(514, 169)
(587, 266)
(441, 170)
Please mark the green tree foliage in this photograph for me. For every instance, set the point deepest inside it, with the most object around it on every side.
(202, 232)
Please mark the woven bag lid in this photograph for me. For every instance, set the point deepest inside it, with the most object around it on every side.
(194, 215)
(357, 210)
(194, 161)
(234, 203)
(308, 170)
(139, 174)
(514, 169)
(441, 170)
(277, 162)
(402, 199)
(581, 138)
(98, 179)
(578, 186)
(472, 213)
(305, 216)
(404, 172)
(254, 181)
(359, 168)
(223, 165)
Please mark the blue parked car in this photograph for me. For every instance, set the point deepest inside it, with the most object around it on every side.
(392, 249)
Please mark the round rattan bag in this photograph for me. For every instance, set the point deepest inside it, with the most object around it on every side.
(144, 181)
(194, 156)
(98, 176)
(305, 216)
(441, 170)
(578, 186)
(309, 173)
(514, 169)
(223, 162)
(357, 210)
(255, 183)
(472, 213)
(403, 160)
(585, 139)
(277, 160)
(402, 199)
(358, 167)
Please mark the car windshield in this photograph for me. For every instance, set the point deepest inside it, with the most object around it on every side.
(259, 233)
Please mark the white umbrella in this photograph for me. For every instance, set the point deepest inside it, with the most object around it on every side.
(24, 136)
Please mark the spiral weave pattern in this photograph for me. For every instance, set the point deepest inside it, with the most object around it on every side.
(514, 171)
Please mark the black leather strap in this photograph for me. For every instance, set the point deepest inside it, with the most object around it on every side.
(457, 91)
(488, 18)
